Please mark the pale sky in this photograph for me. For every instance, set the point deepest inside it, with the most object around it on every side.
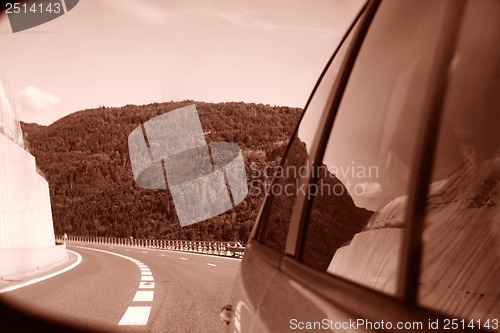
(119, 52)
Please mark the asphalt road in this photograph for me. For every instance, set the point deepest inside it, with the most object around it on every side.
(168, 291)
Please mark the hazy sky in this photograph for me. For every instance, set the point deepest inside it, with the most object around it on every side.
(118, 52)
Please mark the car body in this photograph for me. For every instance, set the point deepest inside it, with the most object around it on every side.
(395, 223)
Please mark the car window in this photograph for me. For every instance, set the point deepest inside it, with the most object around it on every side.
(460, 267)
(356, 220)
(289, 178)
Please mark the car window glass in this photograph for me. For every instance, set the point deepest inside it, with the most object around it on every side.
(460, 267)
(288, 177)
(355, 224)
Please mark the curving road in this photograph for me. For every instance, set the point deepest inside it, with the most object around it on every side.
(124, 289)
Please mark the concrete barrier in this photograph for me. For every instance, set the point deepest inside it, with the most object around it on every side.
(22, 261)
(25, 212)
(27, 242)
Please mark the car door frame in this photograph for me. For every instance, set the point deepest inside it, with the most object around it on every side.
(359, 301)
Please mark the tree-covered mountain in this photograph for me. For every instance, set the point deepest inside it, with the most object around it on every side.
(84, 157)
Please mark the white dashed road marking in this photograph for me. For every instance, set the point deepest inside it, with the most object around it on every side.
(146, 285)
(162, 254)
(143, 296)
(136, 315)
(209, 264)
(183, 258)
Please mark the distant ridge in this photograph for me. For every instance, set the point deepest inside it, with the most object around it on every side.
(84, 157)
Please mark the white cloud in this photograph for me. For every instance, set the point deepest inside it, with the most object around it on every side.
(371, 189)
(252, 18)
(35, 99)
(326, 17)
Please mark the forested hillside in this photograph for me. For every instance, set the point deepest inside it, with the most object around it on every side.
(84, 157)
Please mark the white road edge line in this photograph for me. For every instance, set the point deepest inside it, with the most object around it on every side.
(27, 283)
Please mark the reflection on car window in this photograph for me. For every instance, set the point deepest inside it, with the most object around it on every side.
(295, 168)
(355, 223)
(460, 272)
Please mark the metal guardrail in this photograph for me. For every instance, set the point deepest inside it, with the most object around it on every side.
(226, 249)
